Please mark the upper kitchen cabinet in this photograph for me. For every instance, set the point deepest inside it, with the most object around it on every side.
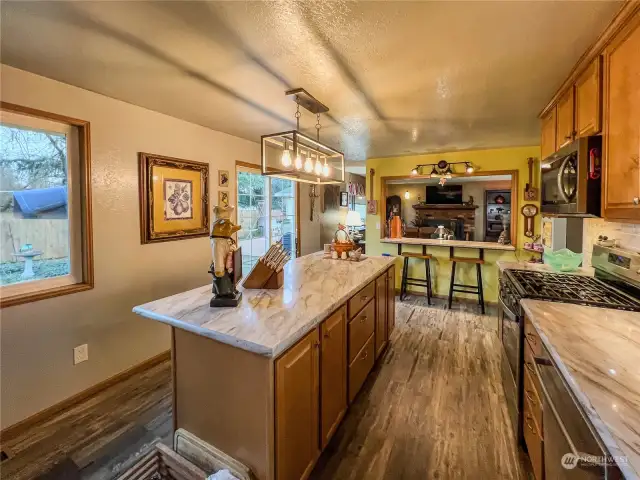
(588, 98)
(622, 125)
(565, 132)
(548, 140)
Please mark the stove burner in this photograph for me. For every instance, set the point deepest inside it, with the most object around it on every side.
(567, 288)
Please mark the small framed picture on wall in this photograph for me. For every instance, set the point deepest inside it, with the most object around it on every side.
(344, 199)
(223, 178)
(223, 198)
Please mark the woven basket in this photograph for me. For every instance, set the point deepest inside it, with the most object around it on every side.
(162, 463)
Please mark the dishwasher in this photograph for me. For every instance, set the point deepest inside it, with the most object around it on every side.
(572, 450)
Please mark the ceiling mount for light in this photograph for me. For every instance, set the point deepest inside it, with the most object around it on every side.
(314, 162)
(442, 169)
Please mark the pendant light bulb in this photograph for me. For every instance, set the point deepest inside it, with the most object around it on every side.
(298, 162)
(318, 167)
(286, 158)
(308, 165)
(325, 168)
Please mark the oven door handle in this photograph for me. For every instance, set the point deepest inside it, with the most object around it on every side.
(512, 316)
(547, 399)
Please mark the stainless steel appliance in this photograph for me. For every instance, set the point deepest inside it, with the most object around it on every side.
(572, 450)
(571, 179)
(616, 285)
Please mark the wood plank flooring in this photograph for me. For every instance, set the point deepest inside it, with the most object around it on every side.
(433, 408)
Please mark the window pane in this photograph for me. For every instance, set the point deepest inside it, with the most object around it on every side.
(244, 183)
(34, 220)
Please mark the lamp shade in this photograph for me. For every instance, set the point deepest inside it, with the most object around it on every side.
(353, 219)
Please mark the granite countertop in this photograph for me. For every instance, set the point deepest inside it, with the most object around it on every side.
(597, 351)
(267, 322)
(540, 267)
(449, 243)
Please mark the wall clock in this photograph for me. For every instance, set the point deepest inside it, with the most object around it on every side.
(529, 211)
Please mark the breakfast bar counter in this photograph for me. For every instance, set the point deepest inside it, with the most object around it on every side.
(434, 242)
(269, 381)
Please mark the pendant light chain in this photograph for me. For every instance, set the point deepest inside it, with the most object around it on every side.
(298, 114)
(318, 127)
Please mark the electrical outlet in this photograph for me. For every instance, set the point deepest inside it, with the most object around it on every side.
(377, 225)
(80, 354)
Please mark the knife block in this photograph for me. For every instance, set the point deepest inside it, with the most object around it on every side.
(262, 276)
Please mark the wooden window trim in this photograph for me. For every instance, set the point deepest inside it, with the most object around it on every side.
(84, 182)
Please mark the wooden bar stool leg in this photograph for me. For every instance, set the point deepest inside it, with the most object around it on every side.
(403, 285)
(427, 265)
(480, 291)
(453, 280)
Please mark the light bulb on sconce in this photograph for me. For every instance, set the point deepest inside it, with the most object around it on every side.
(407, 196)
(414, 171)
(308, 165)
(469, 168)
(298, 162)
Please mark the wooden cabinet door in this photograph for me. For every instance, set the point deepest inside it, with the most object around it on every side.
(333, 373)
(381, 313)
(391, 301)
(297, 398)
(622, 125)
(564, 132)
(548, 139)
(589, 99)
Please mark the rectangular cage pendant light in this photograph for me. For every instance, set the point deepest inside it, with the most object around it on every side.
(292, 155)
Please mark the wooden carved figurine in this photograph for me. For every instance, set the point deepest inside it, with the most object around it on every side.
(222, 249)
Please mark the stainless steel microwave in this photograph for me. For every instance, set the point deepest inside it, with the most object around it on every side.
(571, 179)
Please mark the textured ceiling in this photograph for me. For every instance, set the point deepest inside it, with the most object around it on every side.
(399, 77)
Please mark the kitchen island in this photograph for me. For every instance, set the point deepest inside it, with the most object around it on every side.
(269, 381)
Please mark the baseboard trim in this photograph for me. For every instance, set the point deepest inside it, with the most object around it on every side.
(19, 427)
(445, 297)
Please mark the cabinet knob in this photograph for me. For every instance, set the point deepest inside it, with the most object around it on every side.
(363, 319)
(316, 344)
(327, 335)
(636, 200)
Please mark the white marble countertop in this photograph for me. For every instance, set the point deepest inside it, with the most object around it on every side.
(449, 243)
(540, 267)
(597, 350)
(267, 322)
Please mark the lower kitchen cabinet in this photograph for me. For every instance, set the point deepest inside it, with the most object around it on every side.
(297, 403)
(333, 374)
(381, 314)
(391, 300)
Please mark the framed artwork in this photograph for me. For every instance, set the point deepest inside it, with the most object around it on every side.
(344, 199)
(223, 178)
(223, 198)
(174, 197)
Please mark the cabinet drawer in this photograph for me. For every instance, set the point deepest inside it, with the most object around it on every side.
(532, 337)
(532, 394)
(361, 298)
(360, 367)
(529, 361)
(533, 440)
(361, 328)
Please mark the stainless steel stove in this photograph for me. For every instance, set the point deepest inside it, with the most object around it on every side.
(616, 285)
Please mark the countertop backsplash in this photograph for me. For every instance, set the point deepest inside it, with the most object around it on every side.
(627, 233)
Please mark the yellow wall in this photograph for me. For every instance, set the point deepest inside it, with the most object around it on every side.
(483, 161)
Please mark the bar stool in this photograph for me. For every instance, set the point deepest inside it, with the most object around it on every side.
(418, 282)
(474, 289)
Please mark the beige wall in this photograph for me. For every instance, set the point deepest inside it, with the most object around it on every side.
(309, 228)
(37, 338)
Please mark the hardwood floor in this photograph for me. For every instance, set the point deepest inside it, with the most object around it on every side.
(99, 437)
(433, 408)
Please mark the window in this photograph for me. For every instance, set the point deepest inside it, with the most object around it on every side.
(267, 214)
(44, 205)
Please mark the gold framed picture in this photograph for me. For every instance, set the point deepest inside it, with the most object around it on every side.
(223, 198)
(174, 198)
(223, 178)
